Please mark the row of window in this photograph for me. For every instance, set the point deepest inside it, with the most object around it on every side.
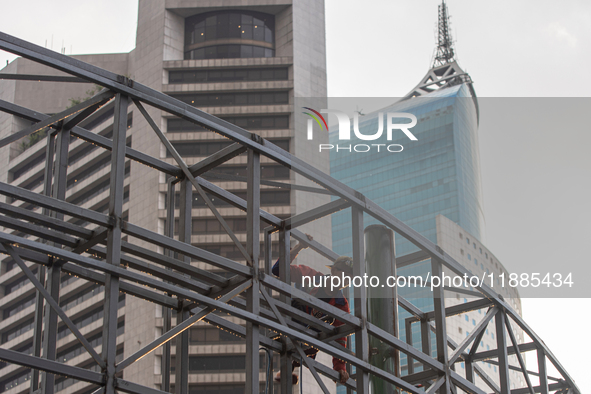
(217, 25)
(17, 331)
(268, 198)
(213, 226)
(227, 75)
(88, 318)
(218, 363)
(201, 148)
(229, 52)
(258, 122)
(221, 388)
(15, 381)
(94, 341)
(77, 155)
(233, 99)
(82, 296)
(268, 172)
(18, 283)
(210, 335)
(98, 189)
(14, 309)
(485, 253)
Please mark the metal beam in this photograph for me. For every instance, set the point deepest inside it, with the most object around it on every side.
(187, 173)
(543, 376)
(315, 214)
(99, 98)
(199, 314)
(92, 138)
(273, 304)
(39, 78)
(114, 236)
(53, 303)
(52, 367)
(480, 327)
(253, 228)
(216, 159)
(519, 357)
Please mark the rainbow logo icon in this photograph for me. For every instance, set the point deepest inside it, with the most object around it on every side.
(315, 116)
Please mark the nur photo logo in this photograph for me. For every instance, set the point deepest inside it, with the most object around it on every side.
(393, 124)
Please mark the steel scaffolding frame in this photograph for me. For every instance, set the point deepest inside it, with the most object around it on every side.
(102, 256)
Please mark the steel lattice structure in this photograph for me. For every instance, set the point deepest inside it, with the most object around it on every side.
(101, 256)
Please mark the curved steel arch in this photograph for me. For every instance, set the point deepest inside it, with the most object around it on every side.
(101, 256)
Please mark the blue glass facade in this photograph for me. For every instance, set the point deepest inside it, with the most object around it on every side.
(437, 174)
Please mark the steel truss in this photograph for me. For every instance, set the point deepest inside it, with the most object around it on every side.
(102, 256)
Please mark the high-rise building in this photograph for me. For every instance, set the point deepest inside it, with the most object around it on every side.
(432, 183)
(241, 60)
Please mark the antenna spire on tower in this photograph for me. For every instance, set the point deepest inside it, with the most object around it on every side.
(445, 51)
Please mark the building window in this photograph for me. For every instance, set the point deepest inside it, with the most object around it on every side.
(473, 322)
(260, 122)
(206, 148)
(468, 240)
(227, 75)
(229, 34)
(467, 318)
(14, 309)
(234, 99)
(461, 236)
(462, 252)
(469, 257)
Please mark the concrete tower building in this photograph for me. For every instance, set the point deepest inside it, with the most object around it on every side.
(241, 60)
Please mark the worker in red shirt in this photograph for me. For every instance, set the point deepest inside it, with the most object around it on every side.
(343, 266)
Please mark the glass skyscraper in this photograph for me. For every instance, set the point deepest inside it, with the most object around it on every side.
(437, 174)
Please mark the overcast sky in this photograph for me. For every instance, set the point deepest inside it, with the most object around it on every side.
(536, 183)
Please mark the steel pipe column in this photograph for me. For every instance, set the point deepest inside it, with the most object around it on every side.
(382, 309)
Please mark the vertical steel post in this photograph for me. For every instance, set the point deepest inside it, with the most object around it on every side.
(382, 303)
(409, 360)
(268, 253)
(542, 371)
(113, 255)
(502, 353)
(359, 269)
(38, 322)
(54, 271)
(285, 276)
(425, 337)
(166, 312)
(347, 293)
(469, 370)
(253, 245)
(268, 245)
(441, 331)
(182, 340)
